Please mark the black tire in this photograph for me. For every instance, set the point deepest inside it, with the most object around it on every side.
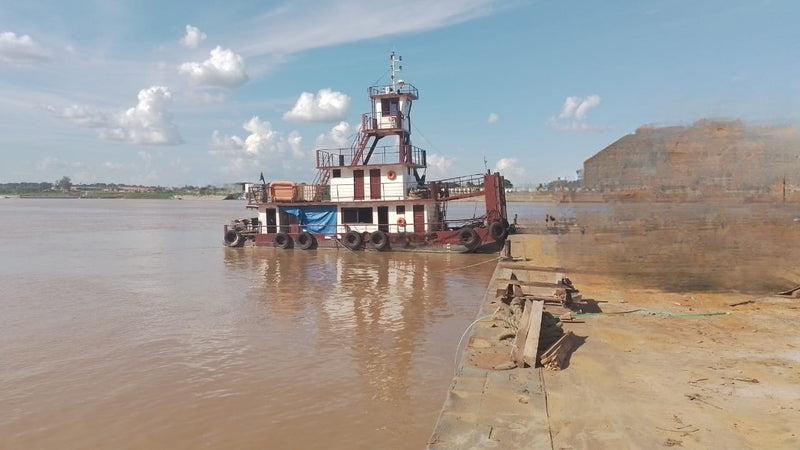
(233, 238)
(282, 240)
(379, 240)
(352, 240)
(306, 240)
(498, 231)
(469, 238)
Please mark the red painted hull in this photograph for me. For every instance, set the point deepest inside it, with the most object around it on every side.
(440, 241)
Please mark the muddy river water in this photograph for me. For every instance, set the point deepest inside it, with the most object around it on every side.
(126, 324)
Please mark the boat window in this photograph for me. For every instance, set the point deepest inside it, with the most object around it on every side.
(337, 173)
(390, 107)
(401, 209)
(357, 215)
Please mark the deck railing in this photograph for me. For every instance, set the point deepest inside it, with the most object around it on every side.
(387, 154)
(397, 88)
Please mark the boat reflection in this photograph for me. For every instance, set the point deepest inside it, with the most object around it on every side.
(382, 313)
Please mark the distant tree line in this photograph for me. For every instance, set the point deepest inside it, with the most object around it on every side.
(65, 184)
(25, 188)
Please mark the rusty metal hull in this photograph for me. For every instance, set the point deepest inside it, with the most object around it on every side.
(442, 241)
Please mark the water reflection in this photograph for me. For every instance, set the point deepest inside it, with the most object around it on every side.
(377, 317)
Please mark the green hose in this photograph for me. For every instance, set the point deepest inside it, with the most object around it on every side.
(648, 311)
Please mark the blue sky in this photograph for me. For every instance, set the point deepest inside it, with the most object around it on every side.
(196, 93)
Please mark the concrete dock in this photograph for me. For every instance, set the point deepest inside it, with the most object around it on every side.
(490, 404)
(653, 366)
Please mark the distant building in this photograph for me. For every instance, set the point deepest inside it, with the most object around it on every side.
(708, 155)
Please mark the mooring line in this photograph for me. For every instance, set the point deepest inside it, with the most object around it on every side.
(458, 347)
(647, 311)
(451, 269)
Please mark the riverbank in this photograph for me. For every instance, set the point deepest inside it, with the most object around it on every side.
(120, 196)
(654, 369)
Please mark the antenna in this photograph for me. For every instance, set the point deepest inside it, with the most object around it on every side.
(486, 164)
(395, 67)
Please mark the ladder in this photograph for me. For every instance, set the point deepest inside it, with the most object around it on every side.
(362, 144)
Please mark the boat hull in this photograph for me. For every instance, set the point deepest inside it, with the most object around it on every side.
(474, 240)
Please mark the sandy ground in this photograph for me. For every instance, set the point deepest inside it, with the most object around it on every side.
(648, 380)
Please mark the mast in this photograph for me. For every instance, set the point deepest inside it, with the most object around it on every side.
(389, 117)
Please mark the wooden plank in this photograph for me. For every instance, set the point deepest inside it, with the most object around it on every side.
(516, 266)
(555, 357)
(791, 293)
(534, 328)
(523, 266)
(543, 284)
(517, 347)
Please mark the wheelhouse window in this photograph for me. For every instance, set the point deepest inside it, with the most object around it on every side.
(357, 215)
(390, 107)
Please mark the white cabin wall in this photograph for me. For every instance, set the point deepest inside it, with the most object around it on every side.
(343, 190)
(393, 217)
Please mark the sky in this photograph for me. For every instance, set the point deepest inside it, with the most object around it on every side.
(186, 93)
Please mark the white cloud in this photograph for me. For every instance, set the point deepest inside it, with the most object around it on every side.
(339, 136)
(262, 137)
(20, 50)
(576, 107)
(82, 115)
(573, 114)
(148, 122)
(112, 166)
(193, 37)
(325, 106)
(49, 163)
(225, 145)
(319, 23)
(438, 166)
(263, 146)
(493, 118)
(223, 68)
(511, 170)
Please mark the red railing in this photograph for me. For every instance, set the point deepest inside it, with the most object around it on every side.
(389, 154)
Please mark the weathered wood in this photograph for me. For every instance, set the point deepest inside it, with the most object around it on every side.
(555, 357)
(795, 292)
(518, 346)
(534, 328)
(516, 266)
(741, 303)
(532, 283)
(523, 266)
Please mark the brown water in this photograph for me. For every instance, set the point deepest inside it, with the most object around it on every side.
(127, 324)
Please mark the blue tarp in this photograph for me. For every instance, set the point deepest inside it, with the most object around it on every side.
(315, 219)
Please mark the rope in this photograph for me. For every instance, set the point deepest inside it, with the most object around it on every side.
(468, 266)
(458, 347)
(339, 241)
(648, 311)
(452, 269)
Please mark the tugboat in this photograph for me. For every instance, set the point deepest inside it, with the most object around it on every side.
(373, 197)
